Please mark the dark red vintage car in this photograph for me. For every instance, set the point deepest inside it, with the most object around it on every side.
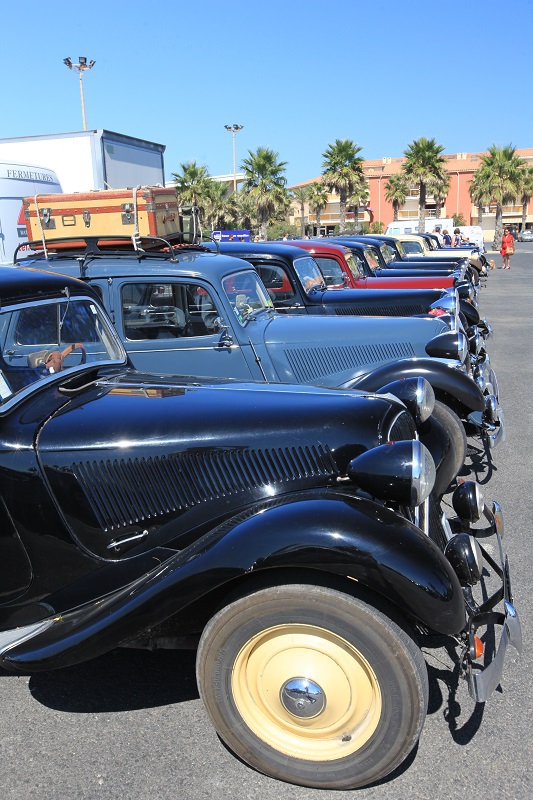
(341, 267)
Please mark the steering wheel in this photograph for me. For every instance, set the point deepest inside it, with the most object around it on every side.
(70, 349)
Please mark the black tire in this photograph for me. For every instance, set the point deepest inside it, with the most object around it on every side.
(372, 674)
(456, 431)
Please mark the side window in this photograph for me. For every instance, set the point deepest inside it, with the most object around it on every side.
(166, 310)
(276, 281)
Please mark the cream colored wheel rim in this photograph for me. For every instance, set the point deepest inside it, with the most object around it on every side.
(350, 698)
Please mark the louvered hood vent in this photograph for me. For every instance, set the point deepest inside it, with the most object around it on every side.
(398, 310)
(311, 363)
(123, 492)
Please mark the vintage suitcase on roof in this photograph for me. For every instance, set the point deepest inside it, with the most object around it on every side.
(141, 211)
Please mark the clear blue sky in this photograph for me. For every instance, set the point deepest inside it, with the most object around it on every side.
(296, 75)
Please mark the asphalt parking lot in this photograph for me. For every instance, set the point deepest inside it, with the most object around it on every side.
(130, 724)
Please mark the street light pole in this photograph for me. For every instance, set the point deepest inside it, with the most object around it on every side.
(80, 68)
(234, 129)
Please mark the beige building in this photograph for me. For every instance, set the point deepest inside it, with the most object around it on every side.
(461, 168)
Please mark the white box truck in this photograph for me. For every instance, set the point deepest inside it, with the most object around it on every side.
(17, 181)
(88, 160)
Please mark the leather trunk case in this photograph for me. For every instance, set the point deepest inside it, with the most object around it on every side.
(148, 210)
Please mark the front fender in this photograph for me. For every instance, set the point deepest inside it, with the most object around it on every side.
(444, 380)
(328, 531)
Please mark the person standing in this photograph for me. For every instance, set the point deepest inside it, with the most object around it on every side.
(438, 234)
(456, 237)
(447, 239)
(507, 249)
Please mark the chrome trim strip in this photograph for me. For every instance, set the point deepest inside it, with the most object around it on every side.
(15, 636)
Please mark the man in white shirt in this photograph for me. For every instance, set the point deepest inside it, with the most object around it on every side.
(438, 234)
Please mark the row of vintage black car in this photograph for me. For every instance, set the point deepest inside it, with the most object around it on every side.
(278, 506)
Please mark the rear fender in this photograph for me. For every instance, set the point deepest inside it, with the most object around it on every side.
(446, 381)
(332, 532)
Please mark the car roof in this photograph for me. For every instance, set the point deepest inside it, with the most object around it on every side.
(129, 263)
(257, 248)
(318, 245)
(19, 284)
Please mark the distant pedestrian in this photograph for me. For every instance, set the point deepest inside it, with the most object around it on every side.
(457, 240)
(446, 239)
(507, 249)
(256, 238)
(285, 237)
(438, 234)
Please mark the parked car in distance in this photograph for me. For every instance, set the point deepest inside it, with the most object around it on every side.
(298, 286)
(290, 534)
(193, 312)
(526, 235)
(415, 260)
(344, 267)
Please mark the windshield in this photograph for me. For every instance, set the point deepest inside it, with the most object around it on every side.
(413, 247)
(332, 272)
(39, 340)
(246, 294)
(400, 249)
(309, 274)
(388, 256)
(372, 258)
(355, 263)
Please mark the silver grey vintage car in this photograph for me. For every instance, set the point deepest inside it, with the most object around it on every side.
(188, 311)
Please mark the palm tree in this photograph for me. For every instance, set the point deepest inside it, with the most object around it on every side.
(480, 192)
(439, 188)
(265, 183)
(424, 164)
(342, 172)
(215, 204)
(502, 169)
(359, 197)
(191, 184)
(301, 194)
(526, 190)
(318, 200)
(396, 190)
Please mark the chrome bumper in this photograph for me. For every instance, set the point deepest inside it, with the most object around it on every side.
(483, 679)
(490, 423)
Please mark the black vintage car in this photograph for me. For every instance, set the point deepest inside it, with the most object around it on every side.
(297, 286)
(291, 534)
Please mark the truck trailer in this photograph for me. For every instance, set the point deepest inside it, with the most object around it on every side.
(87, 160)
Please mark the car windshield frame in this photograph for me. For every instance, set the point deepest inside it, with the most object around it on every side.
(28, 361)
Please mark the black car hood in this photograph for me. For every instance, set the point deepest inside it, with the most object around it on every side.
(147, 456)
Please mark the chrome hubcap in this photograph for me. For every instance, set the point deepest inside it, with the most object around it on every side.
(302, 698)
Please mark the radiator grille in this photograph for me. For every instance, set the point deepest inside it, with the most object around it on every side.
(403, 428)
(400, 310)
(311, 363)
(123, 492)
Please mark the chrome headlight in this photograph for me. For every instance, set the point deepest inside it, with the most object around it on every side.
(468, 502)
(401, 472)
(474, 340)
(464, 554)
(478, 374)
(416, 393)
(448, 303)
(451, 344)
(465, 290)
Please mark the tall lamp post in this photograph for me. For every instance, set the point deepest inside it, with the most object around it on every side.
(80, 68)
(234, 130)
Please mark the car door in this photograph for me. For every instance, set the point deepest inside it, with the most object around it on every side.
(176, 327)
